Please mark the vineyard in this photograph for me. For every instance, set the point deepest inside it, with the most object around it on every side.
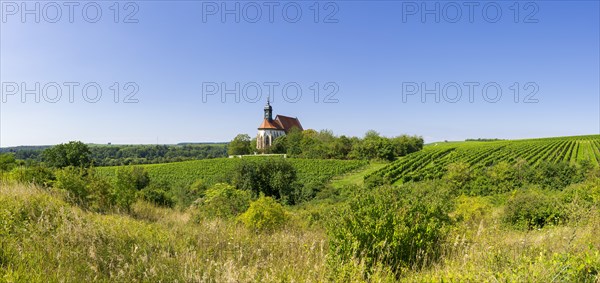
(432, 161)
(220, 170)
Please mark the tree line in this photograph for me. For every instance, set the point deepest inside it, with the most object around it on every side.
(325, 145)
(114, 155)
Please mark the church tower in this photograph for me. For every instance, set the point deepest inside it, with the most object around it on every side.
(270, 129)
(268, 111)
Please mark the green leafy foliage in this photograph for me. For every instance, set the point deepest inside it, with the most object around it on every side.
(39, 175)
(532, 208)
(240, 145)
(157, 195)
(264, 215)
(458, 174)
(129, 180)
(500, 228)
(222, 201)
(273, 177)
(7, 162)
(74, 153)
(74, 181)
(184, 196)
(399, 227)
(471, 211)
(85, 188)
(325, 145)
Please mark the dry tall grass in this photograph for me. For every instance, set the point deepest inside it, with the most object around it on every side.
(42, 238)
(45, 239)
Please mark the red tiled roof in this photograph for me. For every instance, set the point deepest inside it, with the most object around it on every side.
(266, 124)
(287, 123)
(281, 122)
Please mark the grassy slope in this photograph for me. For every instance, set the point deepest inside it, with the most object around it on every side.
(356, 177)
(42, 238)
(45, 239)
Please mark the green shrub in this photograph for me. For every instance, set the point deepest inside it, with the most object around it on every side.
(471, 210)
(502, 177)
(398, 227)
(222, 200)
(581, 200)
(38, 175)
(125, 188)
(184, 196)
(373, 180)
(7, 162)
(157, 195)
(73, 180)
(86, 188)
(264, 215)
(101, 197)
(532, 208)
(587, 193)
(140, 177)
(458, 174)
(273, 177)
(557, 175)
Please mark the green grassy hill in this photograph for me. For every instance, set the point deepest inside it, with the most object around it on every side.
(519, 232)
(432, 161)
(221, 170)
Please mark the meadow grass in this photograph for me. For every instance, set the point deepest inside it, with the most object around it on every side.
(45, 239)
(356, 177)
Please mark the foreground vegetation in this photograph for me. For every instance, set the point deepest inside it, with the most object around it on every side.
(303, 220)
(44, 238)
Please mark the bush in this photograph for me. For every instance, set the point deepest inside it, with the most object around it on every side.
(139, 176)
(7, 162)
(272, 177)
(184, 196)
(586, 193)
(532, 208)
(557, 175)
(73, 181)
(398, 227)
(502, 177)
(373, 180)
(101, 197)
(38, 175)
(264, 215)
(471, 211)
(307, 192)
(157, 195)
(458, 174)
(222, 200)
(581, 200)
(85, 188)
(128, 181)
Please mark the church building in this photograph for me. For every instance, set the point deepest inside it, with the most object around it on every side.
(270, 129)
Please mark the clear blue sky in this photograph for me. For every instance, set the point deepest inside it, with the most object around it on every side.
(375, 52)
